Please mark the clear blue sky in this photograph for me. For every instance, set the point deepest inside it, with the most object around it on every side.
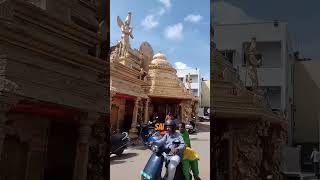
(178, 28)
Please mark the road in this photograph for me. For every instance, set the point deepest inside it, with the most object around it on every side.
(129, 165)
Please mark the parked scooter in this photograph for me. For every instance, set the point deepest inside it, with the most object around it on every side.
(153, 168)
(191, 128)
(119, 143)
(147, 132)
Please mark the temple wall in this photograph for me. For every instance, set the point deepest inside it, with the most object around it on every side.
(254, 150)
(58, 84)
(46, 56)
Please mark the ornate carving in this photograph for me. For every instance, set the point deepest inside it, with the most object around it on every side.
(137, 101)
(189, 81)
(257, 150)
(5, 84)
(186, 108)
(6, 10)
(84, 133)
(9, 86)
(143, 74)
(248, 154)
(126, 30)
(114, 53)
(97, 153)
(254, 63)
(140, 113)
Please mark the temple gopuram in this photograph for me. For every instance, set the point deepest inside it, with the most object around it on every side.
(144, 84)
(248, 136)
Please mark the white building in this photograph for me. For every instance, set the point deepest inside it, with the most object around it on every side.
(196, 79)
(276, 71)
(307, 112)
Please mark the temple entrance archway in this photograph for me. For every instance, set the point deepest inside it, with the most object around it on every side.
(223, 161)
(162, 106)
(128, 115)
(62, 139)
(114, 117)
(13, 161)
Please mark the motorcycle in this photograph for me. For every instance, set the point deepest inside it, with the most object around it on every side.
(191, 128)
(119, 143)
(147, 133)
(153, 168)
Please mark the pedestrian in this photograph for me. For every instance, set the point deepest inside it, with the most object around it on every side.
(169, 116)
(315, 159)
(190, 157)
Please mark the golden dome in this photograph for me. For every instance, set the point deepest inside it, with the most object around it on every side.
(160, 56)
(164, 80)
(160, 59)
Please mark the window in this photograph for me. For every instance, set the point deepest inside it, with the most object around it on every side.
(229, 54)
(194, 78)
(195, 92)
(268, 52)
(273, 95)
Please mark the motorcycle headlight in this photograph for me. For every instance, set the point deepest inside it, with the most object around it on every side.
(145, 175)
(155, 148)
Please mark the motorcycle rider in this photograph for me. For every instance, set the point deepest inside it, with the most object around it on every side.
(175, 155)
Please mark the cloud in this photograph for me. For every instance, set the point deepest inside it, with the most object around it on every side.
(181, 65)
(193, 18)
(162, 11)
(226, 13)
(174, 32)
(166, 3)
(149, 22)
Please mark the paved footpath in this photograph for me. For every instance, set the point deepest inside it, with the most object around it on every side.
(129, 165)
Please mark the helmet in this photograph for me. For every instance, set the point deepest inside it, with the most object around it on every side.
(170, 123)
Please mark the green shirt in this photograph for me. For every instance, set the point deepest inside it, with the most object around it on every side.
(186, 139)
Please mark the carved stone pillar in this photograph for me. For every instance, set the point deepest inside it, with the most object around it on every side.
(8, 88)
(111, 99)
(112, 93)
(98, 152)
(146, 110)
(119, 117)
(133, 130)
(182, 112)
(5, 106)
(35, 161)
(37, 150)
(81, 160)
(3, 119)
